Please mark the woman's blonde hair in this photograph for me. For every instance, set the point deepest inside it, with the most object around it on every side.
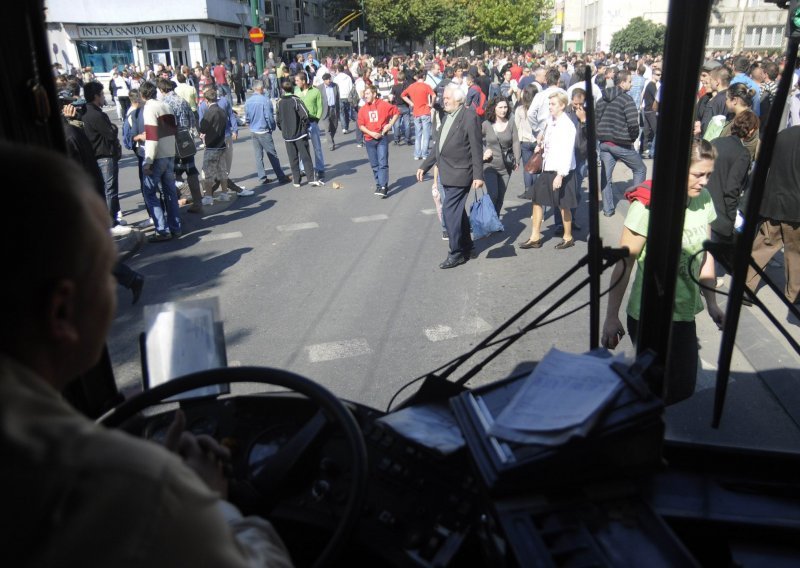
(562, 98)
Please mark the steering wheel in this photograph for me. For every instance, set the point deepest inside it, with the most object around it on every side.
(281, 463)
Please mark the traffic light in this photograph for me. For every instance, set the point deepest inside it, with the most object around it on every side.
(793, 25)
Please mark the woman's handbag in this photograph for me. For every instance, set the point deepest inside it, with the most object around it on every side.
(483, 218)
(534, 165)
(508, 158)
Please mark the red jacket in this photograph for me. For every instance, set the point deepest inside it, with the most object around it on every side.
(375, 116)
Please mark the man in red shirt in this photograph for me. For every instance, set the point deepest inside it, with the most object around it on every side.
(420, 97)
(375, 120)
(221, 79)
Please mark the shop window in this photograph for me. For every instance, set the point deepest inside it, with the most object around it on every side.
(102, 56)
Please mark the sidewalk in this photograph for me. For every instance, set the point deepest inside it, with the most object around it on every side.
(762, 407)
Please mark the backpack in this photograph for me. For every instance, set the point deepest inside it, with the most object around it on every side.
(184, 144)
(438, 104)
(353, 97)
(127, 135)
(480, 108)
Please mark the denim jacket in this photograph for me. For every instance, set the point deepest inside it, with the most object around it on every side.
(259, 113)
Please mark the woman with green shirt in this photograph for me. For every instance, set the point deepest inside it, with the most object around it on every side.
(681, 371)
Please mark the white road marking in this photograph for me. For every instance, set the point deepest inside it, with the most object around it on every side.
(368, 218)
(221, 237)
(297, 227)
(428, 211)
(467, 326)
(338, 350)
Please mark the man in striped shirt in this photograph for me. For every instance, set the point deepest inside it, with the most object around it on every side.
(158, 165)
(617, 129)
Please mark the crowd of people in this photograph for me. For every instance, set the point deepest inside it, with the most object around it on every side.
(503, 109)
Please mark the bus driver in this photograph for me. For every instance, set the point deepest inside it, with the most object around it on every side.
(78, 494)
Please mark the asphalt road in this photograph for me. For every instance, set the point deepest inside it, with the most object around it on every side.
(344, 287)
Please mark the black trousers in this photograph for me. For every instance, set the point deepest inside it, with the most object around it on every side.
(680, 376)
(456, 219)
(333, 124)
(298, 150)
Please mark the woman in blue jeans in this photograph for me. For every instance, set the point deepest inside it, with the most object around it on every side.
(527, 142)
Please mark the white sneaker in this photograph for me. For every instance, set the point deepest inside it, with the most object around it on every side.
(344, 131)
(246, 193)
(207, 200)
(223, 197)
(316, 183)
(120, 231)
(179, 185)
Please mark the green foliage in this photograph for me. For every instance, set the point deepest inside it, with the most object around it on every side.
(639, 36)
(511, 23)
(455, 21)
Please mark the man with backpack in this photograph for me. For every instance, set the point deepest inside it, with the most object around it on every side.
(475, 97)
(293, 123)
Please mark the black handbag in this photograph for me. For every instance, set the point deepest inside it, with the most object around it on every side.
(184, 144)
(508, 158)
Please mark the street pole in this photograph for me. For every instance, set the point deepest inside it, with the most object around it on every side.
(358, 39)
(259, 47)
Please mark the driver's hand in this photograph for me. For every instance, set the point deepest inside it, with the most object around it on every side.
(202, 454)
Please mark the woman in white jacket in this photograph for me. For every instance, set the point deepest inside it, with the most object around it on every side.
(555, 186)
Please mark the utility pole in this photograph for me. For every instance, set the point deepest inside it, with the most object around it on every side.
(363, 26)
(259, 49)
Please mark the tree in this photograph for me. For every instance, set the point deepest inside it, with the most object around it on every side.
(455, 21)
(639, 36)
(510, 23)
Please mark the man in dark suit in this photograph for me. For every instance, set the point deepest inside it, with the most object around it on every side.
(330, 106)
(780, 214)
(458, 153)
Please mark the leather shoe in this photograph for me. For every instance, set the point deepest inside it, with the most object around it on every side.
(136, 287)
(532, 244)
(452, 261)
(565, 244)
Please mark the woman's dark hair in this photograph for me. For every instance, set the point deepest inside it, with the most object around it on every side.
(741, 91)
(491, 115)
(530, 91)
(744, 123)
(702, 150)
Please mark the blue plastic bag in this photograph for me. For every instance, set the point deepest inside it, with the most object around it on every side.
(483, 218)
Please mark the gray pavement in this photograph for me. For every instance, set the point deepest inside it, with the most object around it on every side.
(343, 287)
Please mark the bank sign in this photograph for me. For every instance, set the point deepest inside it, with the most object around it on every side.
(156, 30)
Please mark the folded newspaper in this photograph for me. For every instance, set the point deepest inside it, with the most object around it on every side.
(562, 398)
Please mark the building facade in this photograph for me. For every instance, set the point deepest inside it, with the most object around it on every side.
(746, 25)
(734, 26)
(103, 34)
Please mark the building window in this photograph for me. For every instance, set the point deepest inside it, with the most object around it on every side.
(764, 36)
(720, 37)
(102, 56)
(270, 25)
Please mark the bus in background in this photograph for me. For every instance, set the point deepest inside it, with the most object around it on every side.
(321, 45)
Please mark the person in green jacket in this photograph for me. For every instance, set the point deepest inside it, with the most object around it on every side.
(312, 99)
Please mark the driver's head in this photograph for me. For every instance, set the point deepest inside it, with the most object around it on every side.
(58, 294)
